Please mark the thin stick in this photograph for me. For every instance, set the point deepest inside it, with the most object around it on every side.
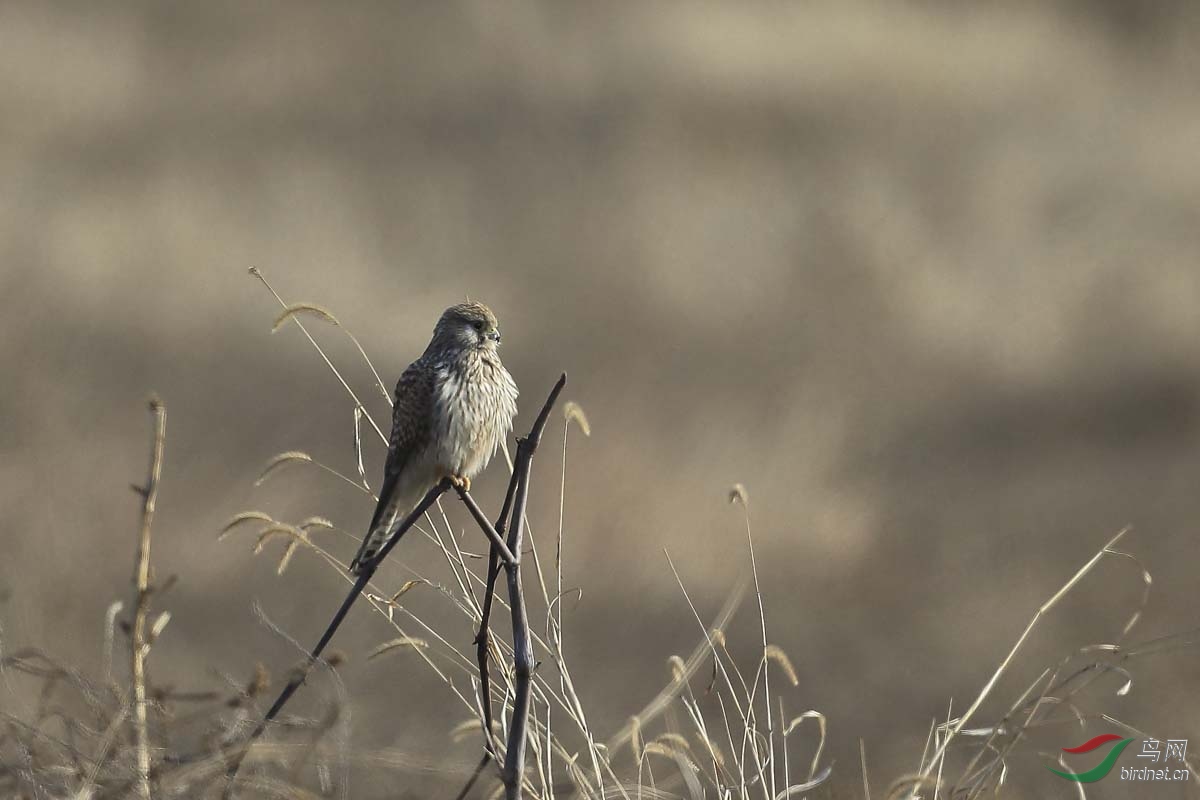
(483, 637)
(141, 582)
(492, 532)
(764, 662)
(514, 757)
(562, 509)
(515, 500)
(938, 783)
(862, 760)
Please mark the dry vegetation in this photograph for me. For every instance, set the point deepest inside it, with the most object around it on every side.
(723, 726)
(923, 275)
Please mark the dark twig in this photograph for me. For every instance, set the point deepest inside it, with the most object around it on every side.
(483, 639)
(535, 433)
(359, 584)
(141, 580)
(492, 532)
(514, 757)
(518, 489)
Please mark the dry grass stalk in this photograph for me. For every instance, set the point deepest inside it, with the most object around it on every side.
(140, 643)
(1012, 653)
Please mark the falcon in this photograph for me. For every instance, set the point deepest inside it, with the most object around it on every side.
(453, 407)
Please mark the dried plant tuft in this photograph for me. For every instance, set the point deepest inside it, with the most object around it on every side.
(309, 309)
(572, 412)
(279, 461)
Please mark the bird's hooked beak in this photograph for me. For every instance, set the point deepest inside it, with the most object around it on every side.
(494, 336)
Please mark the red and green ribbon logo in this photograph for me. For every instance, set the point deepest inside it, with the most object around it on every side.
(1104, 767)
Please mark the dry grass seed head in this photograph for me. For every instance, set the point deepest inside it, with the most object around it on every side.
(775, 653)
(260, 681)
(675, 740)
(573, 413)
(279, 461)
(295, 536)
(678, 669)
(311, 309)
(245, 516)
(315, 522)
(666, 750)
(286, 558)
(408, 586)
(402, 641)
(290, 532)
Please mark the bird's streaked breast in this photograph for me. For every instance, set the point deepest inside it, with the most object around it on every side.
(476, 401)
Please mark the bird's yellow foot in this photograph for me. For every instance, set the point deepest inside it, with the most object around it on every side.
(461, 481)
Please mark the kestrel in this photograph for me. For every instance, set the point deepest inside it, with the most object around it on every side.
(453, 407)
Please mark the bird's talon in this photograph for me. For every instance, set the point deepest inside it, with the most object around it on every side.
(461, 481)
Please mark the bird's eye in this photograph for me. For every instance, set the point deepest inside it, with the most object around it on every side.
(477, 326)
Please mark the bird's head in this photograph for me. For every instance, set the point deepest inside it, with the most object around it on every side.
(467, 326)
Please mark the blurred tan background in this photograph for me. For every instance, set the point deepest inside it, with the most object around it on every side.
(923, 276)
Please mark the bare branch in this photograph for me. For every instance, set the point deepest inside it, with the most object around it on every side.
(518, 491)
(514, 760)
(141, 580)
(488, 529)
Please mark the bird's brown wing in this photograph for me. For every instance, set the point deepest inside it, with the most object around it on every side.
(411, 416)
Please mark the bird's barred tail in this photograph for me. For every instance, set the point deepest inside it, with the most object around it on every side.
(381, 530)
(370, 548)
(396, 499)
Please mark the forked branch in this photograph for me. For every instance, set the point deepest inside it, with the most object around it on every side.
(512, 771)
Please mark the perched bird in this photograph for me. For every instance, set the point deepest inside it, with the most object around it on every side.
(453, 407)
